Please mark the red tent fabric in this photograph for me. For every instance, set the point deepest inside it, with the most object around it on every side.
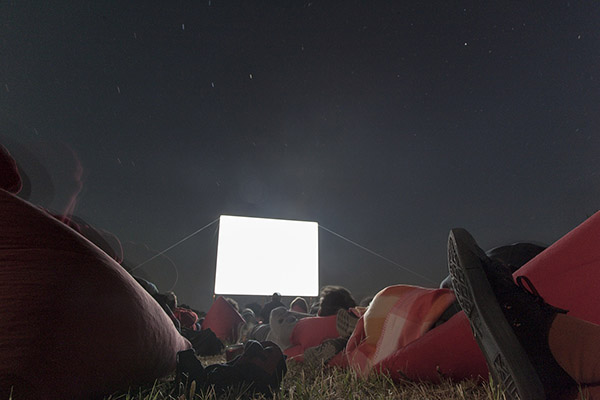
(73, 323)
(223, 320)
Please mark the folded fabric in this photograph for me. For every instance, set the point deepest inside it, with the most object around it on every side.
(397, 316)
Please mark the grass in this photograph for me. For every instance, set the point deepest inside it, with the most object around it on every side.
(304, 383)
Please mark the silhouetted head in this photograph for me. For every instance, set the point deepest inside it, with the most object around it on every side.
(299, 305)
(254, 306)
(233, 303)
(333, 298)
(171, 300)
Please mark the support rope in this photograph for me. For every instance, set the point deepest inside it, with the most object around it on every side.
(378, 255)
(174, 245)
(320, 226)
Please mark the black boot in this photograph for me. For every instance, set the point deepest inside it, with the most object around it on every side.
(188, 364)
(259, 369)
(510, 322)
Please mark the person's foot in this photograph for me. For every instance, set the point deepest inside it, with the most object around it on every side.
(188, 363)
(345, 322)
(324, 352)
(509, 322)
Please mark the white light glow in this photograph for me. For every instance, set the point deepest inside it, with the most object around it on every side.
(259, 256)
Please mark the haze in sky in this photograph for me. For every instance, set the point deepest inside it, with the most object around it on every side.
(386, 122)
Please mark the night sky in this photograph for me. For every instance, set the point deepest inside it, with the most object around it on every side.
(387, 122)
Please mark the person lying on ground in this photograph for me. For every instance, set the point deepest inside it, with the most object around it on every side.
(399, 315)
(398, 335)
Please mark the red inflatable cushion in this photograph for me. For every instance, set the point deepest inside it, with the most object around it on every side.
(311, 332)
(223, 320)
(448, 351)
(73, 323)
(104, 240)
(567, 274)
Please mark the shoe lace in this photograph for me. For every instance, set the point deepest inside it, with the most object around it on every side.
(525, 284)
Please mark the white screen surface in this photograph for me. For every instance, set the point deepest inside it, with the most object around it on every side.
(259, 256)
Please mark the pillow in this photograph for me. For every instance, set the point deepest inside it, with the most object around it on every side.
(73, 323)
(223, 320)
(312, 331)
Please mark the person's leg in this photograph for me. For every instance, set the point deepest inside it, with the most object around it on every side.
(576, 346)
(510, 322)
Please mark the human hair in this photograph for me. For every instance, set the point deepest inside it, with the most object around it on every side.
(332, 298)
(366, 301)
(299, 304)
(254, 306)
(233, 303)
(171, 300)
(248, 315)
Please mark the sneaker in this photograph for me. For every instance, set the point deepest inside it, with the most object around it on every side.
(324, 352)
(188, 364)
(510, 322)
(259, 369)
(345, 322)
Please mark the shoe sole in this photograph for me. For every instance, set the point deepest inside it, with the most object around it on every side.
(320, 354)
(345, 323)
(507, 360)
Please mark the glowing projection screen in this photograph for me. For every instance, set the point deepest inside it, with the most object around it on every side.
(259, 256)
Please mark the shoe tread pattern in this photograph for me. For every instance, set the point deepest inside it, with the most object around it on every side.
(501, 373)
